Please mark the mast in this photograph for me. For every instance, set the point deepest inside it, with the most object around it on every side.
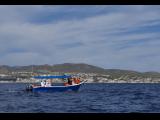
(32, 71)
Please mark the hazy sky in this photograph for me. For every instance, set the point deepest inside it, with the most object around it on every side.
(122, 37)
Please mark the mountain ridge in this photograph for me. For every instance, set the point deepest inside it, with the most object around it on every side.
(76, 67)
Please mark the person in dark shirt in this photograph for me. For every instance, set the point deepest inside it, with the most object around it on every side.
(69, 81)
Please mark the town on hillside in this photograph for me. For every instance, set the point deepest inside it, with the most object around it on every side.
(91, 74)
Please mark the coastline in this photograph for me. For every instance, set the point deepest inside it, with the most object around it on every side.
(131, 82)
(90, 78)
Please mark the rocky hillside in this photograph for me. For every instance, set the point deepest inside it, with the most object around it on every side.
(78, 68)
(83, 68)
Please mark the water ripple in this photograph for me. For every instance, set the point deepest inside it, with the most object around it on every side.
(91, 98)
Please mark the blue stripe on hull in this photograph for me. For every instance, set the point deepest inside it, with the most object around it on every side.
(57, 88)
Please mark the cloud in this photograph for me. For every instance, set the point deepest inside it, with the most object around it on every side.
(122, 37)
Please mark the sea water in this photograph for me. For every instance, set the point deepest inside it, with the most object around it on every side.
(91, 98)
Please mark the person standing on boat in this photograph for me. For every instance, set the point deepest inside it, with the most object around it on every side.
(48, 83)
(69, 81)
(42, 83)
(74, 81)
(65, 81)
(78, 80)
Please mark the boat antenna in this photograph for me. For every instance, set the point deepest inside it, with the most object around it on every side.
(32, 69)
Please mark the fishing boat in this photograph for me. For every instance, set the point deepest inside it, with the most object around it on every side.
(53, 88)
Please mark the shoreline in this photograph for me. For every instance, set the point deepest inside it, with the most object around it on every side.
(86, 82)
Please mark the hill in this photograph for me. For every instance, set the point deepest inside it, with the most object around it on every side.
(77, 68)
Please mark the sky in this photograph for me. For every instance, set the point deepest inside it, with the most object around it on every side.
(109, 36)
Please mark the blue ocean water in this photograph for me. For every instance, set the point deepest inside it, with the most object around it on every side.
(91, 98)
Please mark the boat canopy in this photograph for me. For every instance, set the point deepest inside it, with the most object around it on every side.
(51, 76)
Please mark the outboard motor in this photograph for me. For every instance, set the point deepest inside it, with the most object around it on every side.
(29, 88)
